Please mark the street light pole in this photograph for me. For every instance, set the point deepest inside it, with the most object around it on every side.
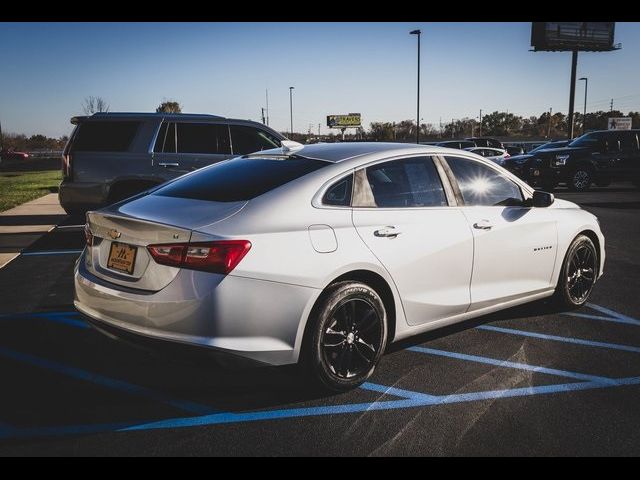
(584, 112)
(291, 108)
(418, 33)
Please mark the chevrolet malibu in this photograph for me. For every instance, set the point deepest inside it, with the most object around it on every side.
(323, 255)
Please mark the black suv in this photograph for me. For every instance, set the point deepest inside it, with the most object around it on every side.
(112, 156)
(598, 157)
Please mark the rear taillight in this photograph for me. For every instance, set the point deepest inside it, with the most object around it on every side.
(216, 257)
(88, 236)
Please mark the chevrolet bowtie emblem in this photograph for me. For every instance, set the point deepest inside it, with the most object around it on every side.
(114, 233)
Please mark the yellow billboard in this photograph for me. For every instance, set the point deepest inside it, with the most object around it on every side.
(344, 121)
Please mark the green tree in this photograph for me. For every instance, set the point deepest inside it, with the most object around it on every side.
(169, 106)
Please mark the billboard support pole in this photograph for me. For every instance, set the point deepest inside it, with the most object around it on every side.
(572, 91)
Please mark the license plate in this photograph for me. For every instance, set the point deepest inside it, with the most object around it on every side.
(122, 257)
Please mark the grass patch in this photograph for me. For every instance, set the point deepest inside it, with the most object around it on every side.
(20, 187)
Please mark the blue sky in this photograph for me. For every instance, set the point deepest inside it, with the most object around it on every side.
(47, 69)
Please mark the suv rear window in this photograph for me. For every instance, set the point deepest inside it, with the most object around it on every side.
(239, 179)
(104, 136)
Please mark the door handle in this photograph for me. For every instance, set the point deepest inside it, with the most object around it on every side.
(168, 164)
(389, 232)
(483, 225)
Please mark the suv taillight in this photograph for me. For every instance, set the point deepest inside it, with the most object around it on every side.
(217, 257)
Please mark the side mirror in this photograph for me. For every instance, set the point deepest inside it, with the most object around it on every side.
(542, 199)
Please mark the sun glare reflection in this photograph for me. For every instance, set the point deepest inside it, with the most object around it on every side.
(481, 186)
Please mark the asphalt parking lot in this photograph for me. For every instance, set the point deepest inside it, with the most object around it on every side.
(527, 381)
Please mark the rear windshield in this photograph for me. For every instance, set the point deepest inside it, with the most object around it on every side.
(104, 136)
(239, 179)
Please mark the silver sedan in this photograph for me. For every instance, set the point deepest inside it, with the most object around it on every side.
(325, 254)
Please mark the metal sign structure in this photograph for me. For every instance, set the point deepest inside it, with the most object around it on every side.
(351, 120)
(573, 37)
(619, 123)
(570, 36)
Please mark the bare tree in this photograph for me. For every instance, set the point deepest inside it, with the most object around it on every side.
(93, 105)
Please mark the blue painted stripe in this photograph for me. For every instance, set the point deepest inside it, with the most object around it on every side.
(6, 430)
(619, 316)
(596, 317)
(36, 314)
(417, 400)
(398, 392)
(51, 252)
(65, 318)
(577, 341)
(507, 364)
(103, 381)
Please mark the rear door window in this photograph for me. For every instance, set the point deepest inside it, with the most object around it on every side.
(105, 136)
(246, 139)
(410, 182)
(166, 139)
(207, 138)
(193, 138)
(628, 141)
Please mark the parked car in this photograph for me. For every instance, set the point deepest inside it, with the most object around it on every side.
(514, 150)
(325, 254)
(112, 156)
(459, 144)
(486, 142)
(497, 155)
(598, 157)
(13, 155)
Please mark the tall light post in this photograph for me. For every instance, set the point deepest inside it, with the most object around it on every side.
(291, 108)
(418, 33)
(584, 112)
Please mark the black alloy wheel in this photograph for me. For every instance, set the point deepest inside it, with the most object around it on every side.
(349, 336)
(580, 179)
(579, 273)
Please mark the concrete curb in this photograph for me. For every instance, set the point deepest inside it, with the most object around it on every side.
(26, 223)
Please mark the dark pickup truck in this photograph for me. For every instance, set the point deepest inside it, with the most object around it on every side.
(598, 157)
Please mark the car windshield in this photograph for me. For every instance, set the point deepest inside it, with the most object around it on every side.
(239, 179)
(587, 140)
(548, 145)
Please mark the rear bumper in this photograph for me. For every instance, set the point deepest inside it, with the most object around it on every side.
(254, 319)
(82, 195)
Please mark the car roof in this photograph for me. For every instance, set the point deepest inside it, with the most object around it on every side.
(339, 152)
(153, 115)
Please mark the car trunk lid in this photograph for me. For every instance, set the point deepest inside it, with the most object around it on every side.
(122, 233)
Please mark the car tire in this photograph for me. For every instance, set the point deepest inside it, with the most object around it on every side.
(578, 274)
(580, 179)
(347, 336)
